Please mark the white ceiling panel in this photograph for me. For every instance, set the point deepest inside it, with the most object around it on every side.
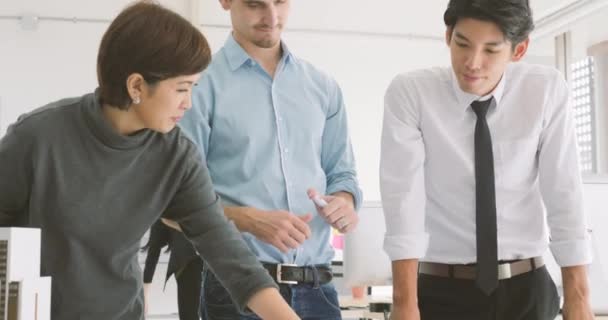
(105, 10)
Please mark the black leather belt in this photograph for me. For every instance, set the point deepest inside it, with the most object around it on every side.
(292, 274)
(460, 271)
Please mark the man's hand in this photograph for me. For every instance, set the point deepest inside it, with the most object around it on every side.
(279, 228)
(405, 290)
(339, 211)
(576, 294)
(577, 310)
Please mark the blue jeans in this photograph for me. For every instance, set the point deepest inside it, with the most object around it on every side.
(310, 303)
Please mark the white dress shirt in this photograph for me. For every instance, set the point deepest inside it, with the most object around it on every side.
(427, 168)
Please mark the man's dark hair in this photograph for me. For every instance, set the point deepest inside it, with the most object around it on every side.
(513, 17)
(149, 39)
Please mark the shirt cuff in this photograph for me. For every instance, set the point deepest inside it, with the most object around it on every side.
(350, 187)
(406, 247)
(572, 253)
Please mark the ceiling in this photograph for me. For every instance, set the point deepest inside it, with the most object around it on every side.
(383, 17)
(386, 16)
(419, 19)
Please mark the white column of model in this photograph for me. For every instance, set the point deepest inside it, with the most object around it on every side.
(24, 295)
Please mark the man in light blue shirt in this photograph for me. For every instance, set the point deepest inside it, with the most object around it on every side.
(273, 130)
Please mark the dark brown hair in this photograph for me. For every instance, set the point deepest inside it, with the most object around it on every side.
(149, 39)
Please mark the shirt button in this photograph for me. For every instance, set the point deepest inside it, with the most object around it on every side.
(286, 150)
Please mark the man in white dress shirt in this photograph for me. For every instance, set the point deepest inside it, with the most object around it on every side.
(471, 157)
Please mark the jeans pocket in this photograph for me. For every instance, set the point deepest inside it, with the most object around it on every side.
(215, 294)
(319, 303)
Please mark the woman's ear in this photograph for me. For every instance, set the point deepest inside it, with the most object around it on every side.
(135, 84)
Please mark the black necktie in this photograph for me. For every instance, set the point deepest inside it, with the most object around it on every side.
(487, 256)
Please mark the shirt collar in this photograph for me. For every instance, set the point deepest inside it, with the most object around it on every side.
(237, 56)
(465, 99)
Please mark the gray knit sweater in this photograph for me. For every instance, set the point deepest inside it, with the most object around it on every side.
(94, 193)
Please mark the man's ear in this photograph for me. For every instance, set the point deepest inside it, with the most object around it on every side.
(520, 50)
(448, 35)
(226, 4)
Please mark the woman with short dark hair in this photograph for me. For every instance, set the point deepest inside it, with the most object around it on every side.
(95, 172)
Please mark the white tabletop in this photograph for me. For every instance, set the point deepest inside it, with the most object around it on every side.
(359, 308)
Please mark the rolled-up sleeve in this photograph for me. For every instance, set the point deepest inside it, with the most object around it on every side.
(402, 185)
(560, 181)
(337, 154)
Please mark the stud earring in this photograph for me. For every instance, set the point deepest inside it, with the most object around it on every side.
(136, 100)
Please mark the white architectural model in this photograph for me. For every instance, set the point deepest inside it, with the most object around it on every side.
(24, 295)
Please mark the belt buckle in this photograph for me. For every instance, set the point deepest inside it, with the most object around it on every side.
(280, 273)
(504, 271)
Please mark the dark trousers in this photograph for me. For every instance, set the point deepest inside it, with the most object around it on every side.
(189, 290)
(530, 296)
(309, 302)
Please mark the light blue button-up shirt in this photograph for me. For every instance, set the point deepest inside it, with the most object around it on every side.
(266, 141)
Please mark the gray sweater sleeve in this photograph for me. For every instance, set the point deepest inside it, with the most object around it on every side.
(15, 176)
(197, 209)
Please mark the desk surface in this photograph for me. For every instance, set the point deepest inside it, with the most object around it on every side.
(360, 308)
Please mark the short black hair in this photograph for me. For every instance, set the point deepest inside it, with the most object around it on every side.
(513, 17)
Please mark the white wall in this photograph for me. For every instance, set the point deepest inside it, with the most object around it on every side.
(587, 32)
(37, 67)
(56, 60)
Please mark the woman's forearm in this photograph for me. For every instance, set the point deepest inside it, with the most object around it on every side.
(268, 304)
